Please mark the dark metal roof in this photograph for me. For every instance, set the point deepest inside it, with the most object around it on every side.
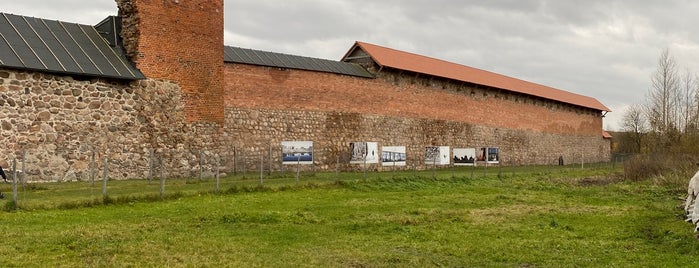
(271, 59)
(60, 47)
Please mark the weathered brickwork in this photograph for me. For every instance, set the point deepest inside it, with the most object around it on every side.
(179, 41)
(255, 87)
(268, 105)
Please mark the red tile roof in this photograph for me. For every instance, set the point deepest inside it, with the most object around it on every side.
(388, 57)
(606, 135)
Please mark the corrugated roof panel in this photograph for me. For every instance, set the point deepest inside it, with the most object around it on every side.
(19, 46)
(100, 52)
(53, 46)
(63, 53)
(228, 54)
(7, 55)
(284, 60)
(69, 36)
(315, 64)
(36, 38)
(280, 60)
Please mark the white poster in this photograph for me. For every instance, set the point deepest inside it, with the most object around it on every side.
(364, 152)
(297, 152)
(437, 155)
(464, 156)
(393, 156)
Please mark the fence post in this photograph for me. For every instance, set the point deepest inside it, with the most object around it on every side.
(92, 168)
(24, 171)
(262, 168)
(473, 167)
(201, 154)
(162, 178)
(150, 166)
(434, 168)
(235, 161)
(281, 161)
(298, 166)
(14, 183)
(337, 167)
(218, 167)
(364, 177)
(414, 171)
(244, 165)
(270, 159)
(104, 178)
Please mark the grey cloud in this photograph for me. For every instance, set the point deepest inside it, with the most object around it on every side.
(600, 48)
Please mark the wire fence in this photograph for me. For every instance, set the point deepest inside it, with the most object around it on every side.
(207, 172)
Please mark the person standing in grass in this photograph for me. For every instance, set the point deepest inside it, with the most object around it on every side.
(4, 177)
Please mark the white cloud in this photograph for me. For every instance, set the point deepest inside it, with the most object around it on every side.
(606, 49)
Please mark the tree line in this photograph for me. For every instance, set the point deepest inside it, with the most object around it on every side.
(668, 119)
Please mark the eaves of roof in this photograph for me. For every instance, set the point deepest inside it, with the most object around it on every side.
(388, 57)
(279, 60)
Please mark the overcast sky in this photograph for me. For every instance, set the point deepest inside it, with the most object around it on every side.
(604, 49)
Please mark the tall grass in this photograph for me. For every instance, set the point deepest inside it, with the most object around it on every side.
(672, 170)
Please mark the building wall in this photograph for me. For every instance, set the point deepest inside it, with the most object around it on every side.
(180, 41)
(56, 124)
(267, 105)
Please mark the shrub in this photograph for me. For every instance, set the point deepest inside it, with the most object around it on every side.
(672, 170)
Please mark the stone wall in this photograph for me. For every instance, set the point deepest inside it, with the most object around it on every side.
(255, 130)
(58, 122)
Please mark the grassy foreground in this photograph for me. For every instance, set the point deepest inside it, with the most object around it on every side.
(547, 220)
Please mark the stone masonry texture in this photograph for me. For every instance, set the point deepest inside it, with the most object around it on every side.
(196, 113)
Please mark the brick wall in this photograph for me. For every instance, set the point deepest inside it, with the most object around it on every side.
(182, 41)
(249, 86)
(268, 105)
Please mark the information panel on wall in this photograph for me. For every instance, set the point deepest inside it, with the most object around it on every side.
(437, 155)
(490, 155)
(393, 155)
(364, 152)
(464, 156)
(297, 152)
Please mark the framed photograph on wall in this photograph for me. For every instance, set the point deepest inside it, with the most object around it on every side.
(490, 155)
(297, 152)
(393, 156)
(437, 155)
(364, 152)
(493, 155)
(464, 156)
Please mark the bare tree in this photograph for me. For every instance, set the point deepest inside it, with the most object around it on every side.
(663, 96)
(688, 103)
(635, 127)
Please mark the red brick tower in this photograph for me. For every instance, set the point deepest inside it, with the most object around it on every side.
(182, 41)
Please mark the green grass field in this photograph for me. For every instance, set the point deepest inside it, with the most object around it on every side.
(531, 217)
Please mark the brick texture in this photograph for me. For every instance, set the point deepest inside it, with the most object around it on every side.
(251, 86)
(265, 106)
(182, 41)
